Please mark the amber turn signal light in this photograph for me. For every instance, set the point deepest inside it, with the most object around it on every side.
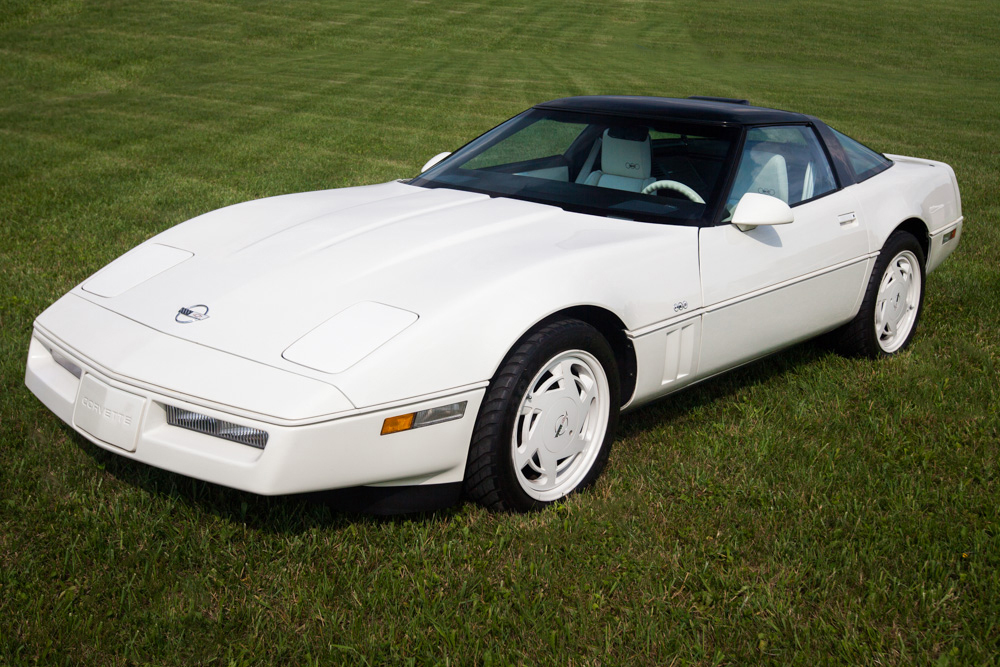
(429, 417)
(397, 424)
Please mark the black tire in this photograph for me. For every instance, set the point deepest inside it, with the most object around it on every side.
(492, 478)
(860, 337)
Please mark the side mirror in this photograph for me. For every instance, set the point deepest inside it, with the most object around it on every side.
(756, 209)
(434, 160)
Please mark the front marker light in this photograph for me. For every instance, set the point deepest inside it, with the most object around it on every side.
(444, 413)
(429, 417)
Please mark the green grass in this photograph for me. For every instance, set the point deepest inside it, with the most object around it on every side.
(807, 509)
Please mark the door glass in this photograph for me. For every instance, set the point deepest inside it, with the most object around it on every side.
(786, 162)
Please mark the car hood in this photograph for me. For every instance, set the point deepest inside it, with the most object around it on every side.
(269, 271)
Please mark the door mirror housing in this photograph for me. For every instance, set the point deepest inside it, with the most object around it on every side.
(756, 209)
(434, 160)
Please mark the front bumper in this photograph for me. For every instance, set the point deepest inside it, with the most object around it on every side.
(341, 452)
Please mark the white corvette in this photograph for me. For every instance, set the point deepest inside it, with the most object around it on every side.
(476, 330)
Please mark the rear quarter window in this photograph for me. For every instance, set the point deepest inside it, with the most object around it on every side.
(864, 161)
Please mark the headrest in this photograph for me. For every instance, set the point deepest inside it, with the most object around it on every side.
(625, 152)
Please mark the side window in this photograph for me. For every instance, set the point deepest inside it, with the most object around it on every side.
(786, 162)
(864, 161)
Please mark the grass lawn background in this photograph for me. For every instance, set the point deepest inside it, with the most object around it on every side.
(805, 509)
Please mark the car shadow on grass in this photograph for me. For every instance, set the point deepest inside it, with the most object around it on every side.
(300, 512)
(721, 387)
(295, 513)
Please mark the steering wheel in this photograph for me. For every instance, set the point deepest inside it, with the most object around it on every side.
(676, 187)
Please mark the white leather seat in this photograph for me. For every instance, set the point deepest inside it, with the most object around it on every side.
(626, 160)
(762, 172)
(772, 178)
(808, 183)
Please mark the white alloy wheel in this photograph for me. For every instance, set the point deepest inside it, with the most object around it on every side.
(560, 425)
(897, 302)
(546, 424)
(889, 313)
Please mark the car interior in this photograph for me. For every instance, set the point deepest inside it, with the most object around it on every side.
(633, 158)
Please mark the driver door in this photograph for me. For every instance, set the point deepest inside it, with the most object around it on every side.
(772, 286)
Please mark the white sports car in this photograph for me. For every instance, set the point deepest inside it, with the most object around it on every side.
(476, 330)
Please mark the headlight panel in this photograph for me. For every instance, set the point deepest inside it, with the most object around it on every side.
(195, 421)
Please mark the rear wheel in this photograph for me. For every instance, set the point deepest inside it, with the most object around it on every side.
(893, 300)
(547, 420)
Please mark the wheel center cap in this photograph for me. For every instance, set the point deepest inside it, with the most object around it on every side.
(560, 425)
(897, 300)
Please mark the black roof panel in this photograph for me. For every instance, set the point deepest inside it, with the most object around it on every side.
(703, 111)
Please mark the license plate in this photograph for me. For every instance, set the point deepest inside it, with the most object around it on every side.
(110, 415)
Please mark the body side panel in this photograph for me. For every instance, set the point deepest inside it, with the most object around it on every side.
(912, 188)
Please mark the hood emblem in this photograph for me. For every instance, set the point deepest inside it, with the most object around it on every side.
(191, 314)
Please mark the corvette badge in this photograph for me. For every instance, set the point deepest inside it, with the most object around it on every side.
(191, 314)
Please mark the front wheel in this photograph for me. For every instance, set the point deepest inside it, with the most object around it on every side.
(547, 420)
(893, 300)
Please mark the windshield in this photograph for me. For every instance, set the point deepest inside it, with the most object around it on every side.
(633, 168)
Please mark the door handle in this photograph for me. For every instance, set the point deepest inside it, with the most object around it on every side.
(847, 218)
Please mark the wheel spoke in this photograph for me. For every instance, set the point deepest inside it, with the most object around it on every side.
(531, 442)
(542, 401)
(529, 428)
(880, 317)
(568, 380)
(884, 286)
(892, 319)
(550, 467)
(590, 390)
(897, 276)
(577, 445)
(523, 455)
